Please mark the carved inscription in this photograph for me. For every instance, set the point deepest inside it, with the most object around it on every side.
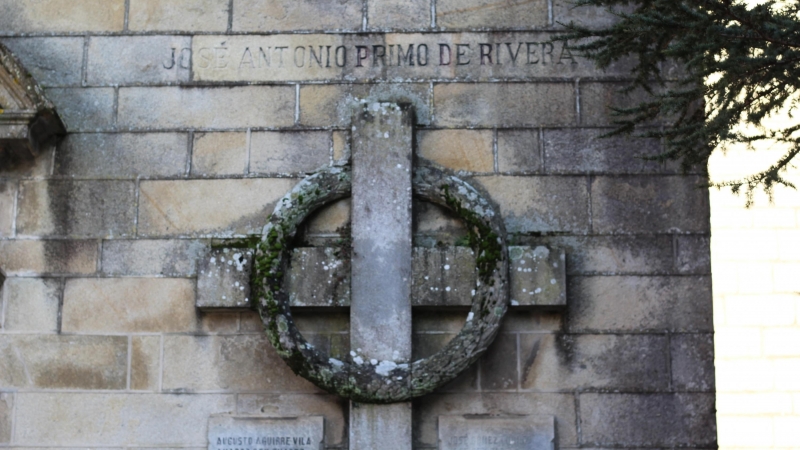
(397, 57)
(259, 433)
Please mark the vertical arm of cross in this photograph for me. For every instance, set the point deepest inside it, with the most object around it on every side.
(380, 311)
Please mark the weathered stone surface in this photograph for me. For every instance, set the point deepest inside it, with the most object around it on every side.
(585, 151)
(31, 304)
(566, 362)
(467, 150)
(544, 204)
(49, 257)
(518, 151)
(289, 152)
(634, 204)
(693, 362)
(565, 11)
(127, 155)
(430, 343)
(208, 207)
(119, 305)
(597, 99)
(219, 154)
(538, 276)
(223, 279)
(319, 276)
(561, 406)
(77, 209)
(8, 200)
(63, 362)
(169, 258)
(288, 405)
(499, 369)
(398, 14)
(6, 414)
(694, 254)
(471, 14)
(84, 109)
(232, 363)
(504, 104)
(613, 255)
(210, 108)
(284, 15)
(145, 363)
(180, 15)
(648, 419)
(385, 425)
(297, 433)
(51, 61)
(333, 105)
(51, 15)
(138, 59)
(631, 303)
(117, 419)
(477, 433)
(341, 147)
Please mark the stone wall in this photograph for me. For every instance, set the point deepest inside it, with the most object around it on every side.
(101, 344)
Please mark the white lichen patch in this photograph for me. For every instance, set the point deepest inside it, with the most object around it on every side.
(385, 368)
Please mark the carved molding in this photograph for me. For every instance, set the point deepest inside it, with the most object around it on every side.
(29, 122)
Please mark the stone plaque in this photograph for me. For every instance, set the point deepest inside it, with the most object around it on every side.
(496, 433)
(265, 433)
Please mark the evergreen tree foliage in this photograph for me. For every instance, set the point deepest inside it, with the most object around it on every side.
(738, 65)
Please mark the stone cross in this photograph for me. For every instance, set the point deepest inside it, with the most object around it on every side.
(382, 287)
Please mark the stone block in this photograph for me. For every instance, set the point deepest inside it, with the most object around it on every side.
(669, 204)
(585, 151)
(220, 208)
(334, 104)
(476, 433)
(424, 345)
(299, 433)
(77, 209)
(290, 15)
(330, 220)
(232, 363)
(181, 15)
(458, 277)
(63, 362)
(138, 59)
(519, 320)
(84, 109)
(37, 257)
(428, 408)
(467, 150)
(537, 276)
(565, 11)
(208, 108)
(51, 16)
(8, 201)
(398, 14)
(694, 254)
(648, 420)
(518, 151)
(220, 322)
(553, 362)
(472, 14)
(288, 405)
(145, 363)
(223, 279)
(51, 61)
(319, 276)
(504, 105)
(124, 155)
(499, 367)
(219, 154)
(639, 303)
(136, 305)
(289, 152)
(169, 258)
(117, 419)
(693, 362)
(613, 255)
(6, 416)
(597, 99)
(540, 204)
(31, 304)
(341, 147)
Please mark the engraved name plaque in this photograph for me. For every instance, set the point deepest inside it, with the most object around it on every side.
(496, 433)
(262, 433)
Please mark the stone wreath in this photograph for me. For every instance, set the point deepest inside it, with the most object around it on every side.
(357, 378)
